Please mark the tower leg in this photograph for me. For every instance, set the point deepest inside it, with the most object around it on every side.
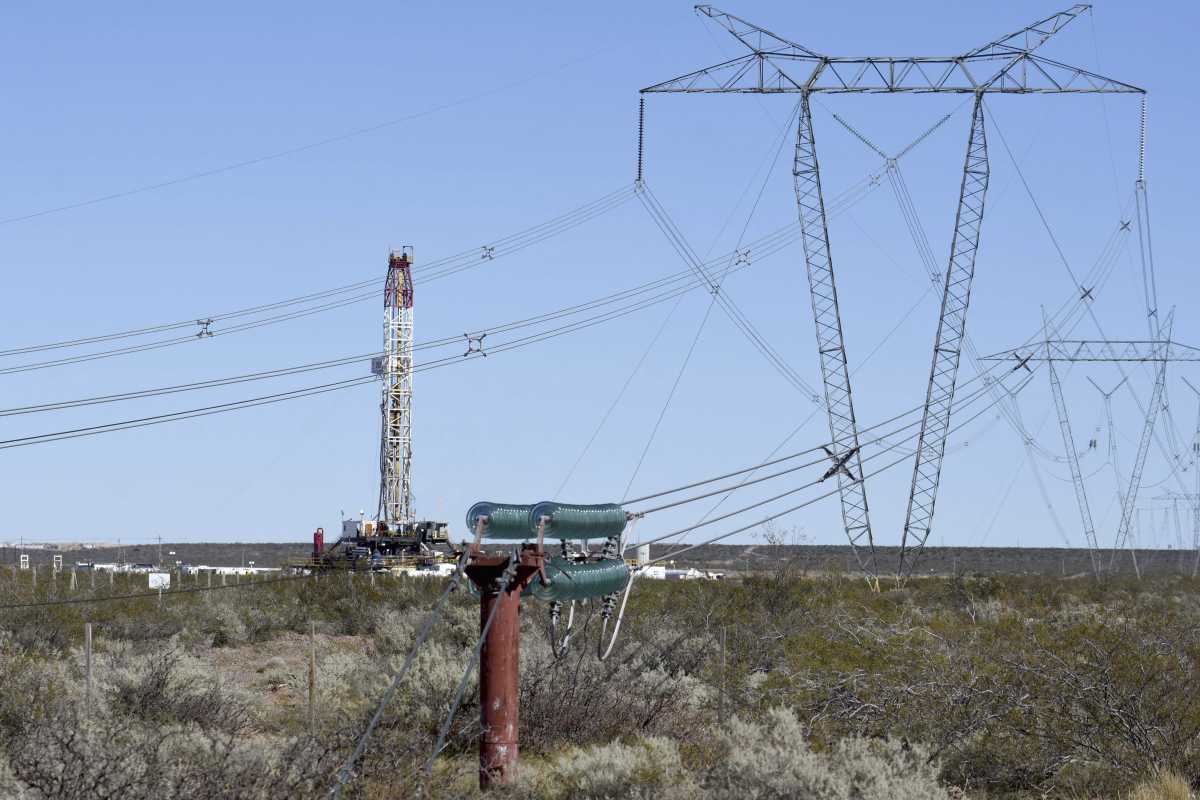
(831, 348)
(1085, 511)
(947, 348)
(1135, 478)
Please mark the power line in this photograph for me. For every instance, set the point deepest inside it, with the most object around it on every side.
(433, 270)
(772, 460)
(669, 229)
(203, 411)
(1169, 456)
(805, 504)
(797, 489)
(617, 400)
(341, 137)
(184, 387)
(764, 247)
(983, 374)
(332, 386)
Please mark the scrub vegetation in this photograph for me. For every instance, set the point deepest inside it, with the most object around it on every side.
(951, 687)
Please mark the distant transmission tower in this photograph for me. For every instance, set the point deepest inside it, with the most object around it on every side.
(395, 442)
(1144, 351)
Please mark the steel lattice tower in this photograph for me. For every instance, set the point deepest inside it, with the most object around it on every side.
(1145, 351)
(395, 442)
(776, 65)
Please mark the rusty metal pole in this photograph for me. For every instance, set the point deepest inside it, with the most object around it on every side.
(498, 687)
(499, 707)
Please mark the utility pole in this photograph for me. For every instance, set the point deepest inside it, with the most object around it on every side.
(499, 691)
(502, 577)
(776, 65)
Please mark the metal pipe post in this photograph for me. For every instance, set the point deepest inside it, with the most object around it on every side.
(87, 657)
(499, 698)
(498, 688)
(312, 679)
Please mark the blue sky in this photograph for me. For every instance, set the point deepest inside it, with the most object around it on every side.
(533, 112)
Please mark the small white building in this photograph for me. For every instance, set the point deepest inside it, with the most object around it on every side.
(441, 570)
(238, 570)
(661, 573)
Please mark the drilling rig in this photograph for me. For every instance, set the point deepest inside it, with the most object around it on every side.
(395, 538)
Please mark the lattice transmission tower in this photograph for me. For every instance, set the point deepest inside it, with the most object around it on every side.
(776, 65)
(395, 441)
(1156, 352)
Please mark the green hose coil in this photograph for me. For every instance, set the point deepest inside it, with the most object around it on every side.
(506, 520)
(572, 581)
(567, 521)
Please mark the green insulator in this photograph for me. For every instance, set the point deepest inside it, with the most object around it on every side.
(568, 521)
(571, 581)
(506, 520)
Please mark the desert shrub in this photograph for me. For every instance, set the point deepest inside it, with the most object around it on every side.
(343, 676)
(394, 631)
(642, 768)
(650, 685)
(1162, 786)
(1014, 687)
(29, 683)
(70, 758)
(769, 760)
(167, 686)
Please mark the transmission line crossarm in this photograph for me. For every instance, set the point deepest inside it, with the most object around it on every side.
(1106, 350)
(1005, 66)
